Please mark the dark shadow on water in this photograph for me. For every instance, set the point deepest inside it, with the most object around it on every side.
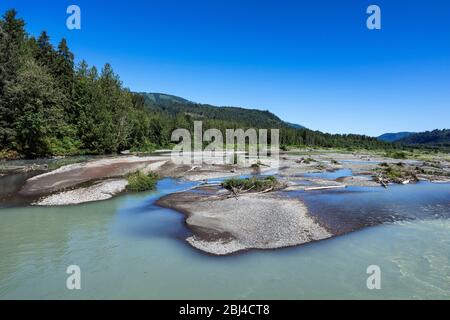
(350, 209)
(10, 185)
(329, 175)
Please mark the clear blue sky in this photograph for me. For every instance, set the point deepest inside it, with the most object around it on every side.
(310, 62)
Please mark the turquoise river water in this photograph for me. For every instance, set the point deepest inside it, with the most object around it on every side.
(130, 249)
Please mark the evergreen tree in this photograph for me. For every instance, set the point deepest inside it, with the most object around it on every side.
(46, 54)
(50, 107)
(64, 68)
(12, 39)
(39, 123)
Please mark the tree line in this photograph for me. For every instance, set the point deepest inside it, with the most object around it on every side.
(436, 139)
(51, 106)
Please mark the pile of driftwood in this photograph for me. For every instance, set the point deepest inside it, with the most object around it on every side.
(379, 179)
(235, 192)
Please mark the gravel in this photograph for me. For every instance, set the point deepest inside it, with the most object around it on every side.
(254, 221)
(99, 191)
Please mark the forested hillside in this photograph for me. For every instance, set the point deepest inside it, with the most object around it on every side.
(51, 106)
(429, 139)
(392, 137)
(173, 106)
(224, 118)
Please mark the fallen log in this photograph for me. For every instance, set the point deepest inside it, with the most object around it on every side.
(381, 181)
(324, 188)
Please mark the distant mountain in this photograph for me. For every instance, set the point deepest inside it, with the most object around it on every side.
(181, 112)
(392, 137)
(174, 106)
(433, 139)
(295, 126)
(162, 98)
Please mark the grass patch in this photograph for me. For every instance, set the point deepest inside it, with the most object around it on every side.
(397, 154)
(139, 181)
(397, 172)
(254, 183)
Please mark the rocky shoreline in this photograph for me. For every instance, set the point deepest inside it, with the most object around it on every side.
(98, 191)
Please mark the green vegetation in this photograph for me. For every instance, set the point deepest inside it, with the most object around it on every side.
(185, 113)
(139, 181)
(397, 154)
(7, 154)
(253, 183)
(397, 173)
(50, 106)
(436, 139)
(392, 137)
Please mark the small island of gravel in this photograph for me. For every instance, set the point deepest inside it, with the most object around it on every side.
(253, 221)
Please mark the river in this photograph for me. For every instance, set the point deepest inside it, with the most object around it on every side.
(128, 248)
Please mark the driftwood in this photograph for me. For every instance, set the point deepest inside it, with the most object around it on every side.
(240, 193)
(324, 188)
(193, 169)
(381, 181)
(210, 184)
(237, 193)
(384, 184)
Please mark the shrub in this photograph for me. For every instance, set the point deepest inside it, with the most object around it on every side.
(8, 155)
(65, 146)
(397, 155)
(145, 147)
(139, 181)
(254, 183)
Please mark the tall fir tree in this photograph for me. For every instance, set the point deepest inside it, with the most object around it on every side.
(12, 40)
(46, 54)
(64, 68)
